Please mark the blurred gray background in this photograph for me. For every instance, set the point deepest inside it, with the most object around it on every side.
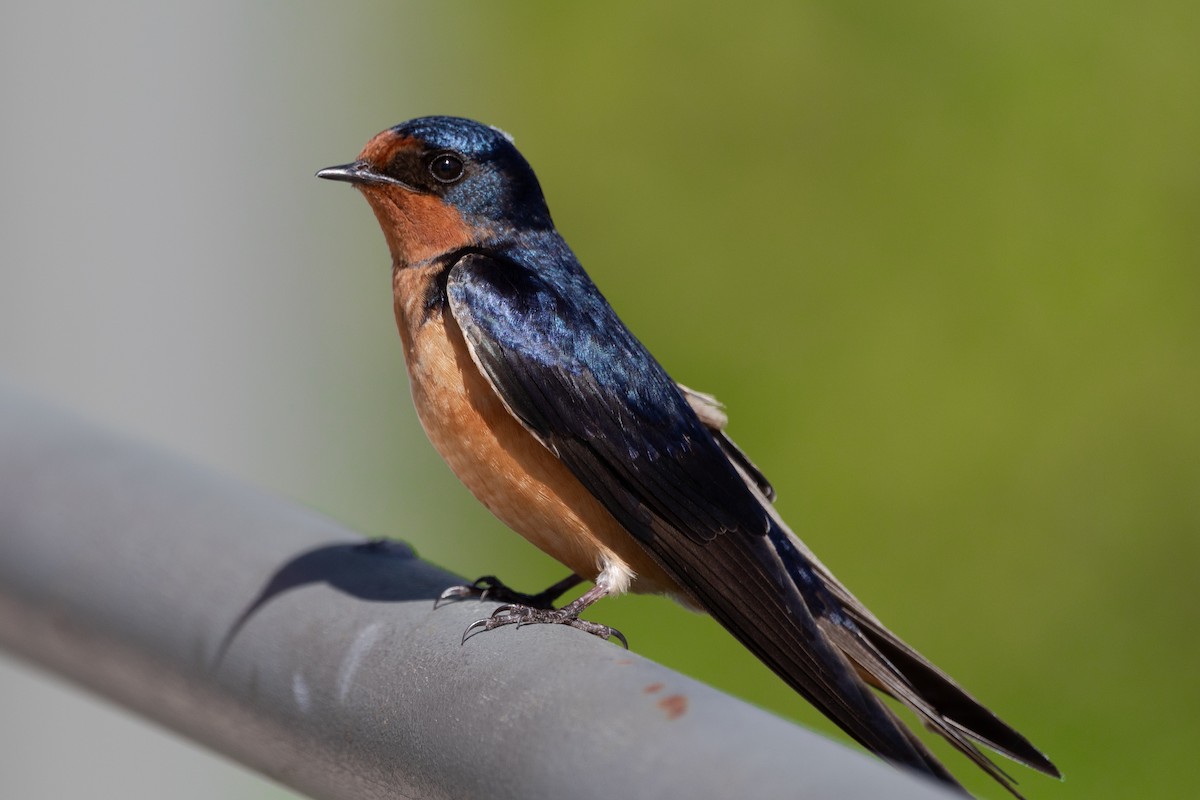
(940, 260)
(172, 269)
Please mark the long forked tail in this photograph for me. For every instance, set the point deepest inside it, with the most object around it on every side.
(884, 661)
(742, 582)
(880, 658)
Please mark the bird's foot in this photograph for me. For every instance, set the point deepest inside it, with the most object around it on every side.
(517, 614)
(489, 587)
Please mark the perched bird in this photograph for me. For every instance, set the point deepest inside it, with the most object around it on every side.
(560, 422)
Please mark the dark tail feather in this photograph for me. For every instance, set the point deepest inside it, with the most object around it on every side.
(887, 663)
(741, 581)
(951, 701)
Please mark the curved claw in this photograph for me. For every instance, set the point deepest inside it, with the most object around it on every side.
(480, 588)
(453, 593)
(613, 633)
(505, 609)
(486, 587)
(470, 631)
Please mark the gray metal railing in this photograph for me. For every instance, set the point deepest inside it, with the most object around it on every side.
(271, 634)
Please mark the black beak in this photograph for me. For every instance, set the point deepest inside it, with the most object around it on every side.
(359, 172)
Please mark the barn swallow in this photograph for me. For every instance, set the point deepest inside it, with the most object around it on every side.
(561, 422)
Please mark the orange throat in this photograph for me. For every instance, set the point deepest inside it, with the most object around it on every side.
(417, 227)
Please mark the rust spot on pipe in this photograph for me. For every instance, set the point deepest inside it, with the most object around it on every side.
(674, 705)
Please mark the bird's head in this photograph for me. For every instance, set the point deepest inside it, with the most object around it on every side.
(437, 184)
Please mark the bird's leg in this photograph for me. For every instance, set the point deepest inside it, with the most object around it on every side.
(517, 614)
(489, 587)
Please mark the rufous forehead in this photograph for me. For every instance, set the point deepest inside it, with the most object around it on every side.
(383, 147)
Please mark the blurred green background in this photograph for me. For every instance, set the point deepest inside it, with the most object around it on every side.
(940, 260)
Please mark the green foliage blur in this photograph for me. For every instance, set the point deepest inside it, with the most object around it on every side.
(942, 263)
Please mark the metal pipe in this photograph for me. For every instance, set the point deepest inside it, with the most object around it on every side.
(279, 638)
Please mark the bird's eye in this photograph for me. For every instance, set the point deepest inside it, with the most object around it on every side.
(446, 168)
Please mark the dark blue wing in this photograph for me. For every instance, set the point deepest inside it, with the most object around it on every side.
(568, 368)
